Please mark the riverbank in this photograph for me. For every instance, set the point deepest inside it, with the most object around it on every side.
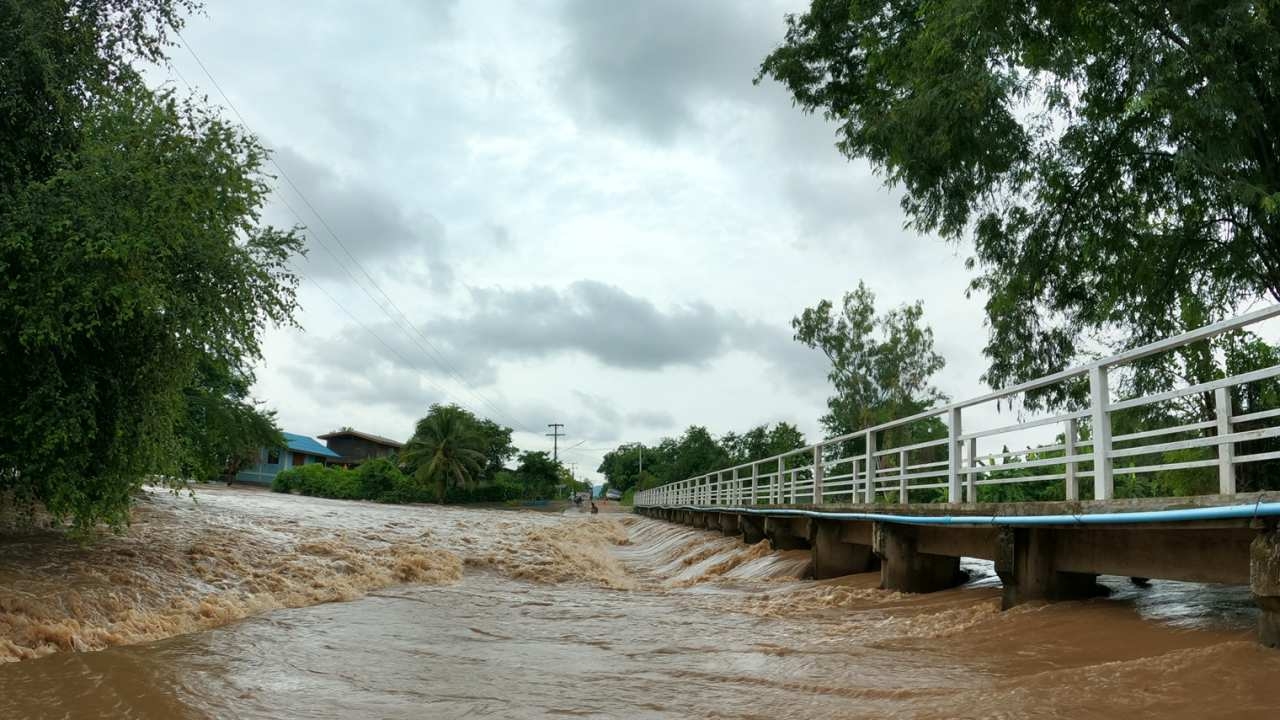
(184, 566)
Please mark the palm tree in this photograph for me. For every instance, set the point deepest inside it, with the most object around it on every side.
(446, 449)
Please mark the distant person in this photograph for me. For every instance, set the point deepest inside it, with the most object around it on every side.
(594, 509)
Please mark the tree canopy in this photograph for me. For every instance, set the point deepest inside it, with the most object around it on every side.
(447, 450)
(221, 429)
(1116, 164)
(696, 451)
(538, 474)
(132, 252)
(881, 365)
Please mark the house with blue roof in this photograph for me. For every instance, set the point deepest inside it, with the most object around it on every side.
(298, 450)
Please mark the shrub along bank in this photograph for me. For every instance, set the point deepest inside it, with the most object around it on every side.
(381, 480)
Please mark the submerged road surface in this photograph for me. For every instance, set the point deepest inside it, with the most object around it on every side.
(533, 615)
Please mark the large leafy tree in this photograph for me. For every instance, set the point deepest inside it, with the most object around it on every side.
(446, 450)
(761, 442)
(131, 252)
(222, 429)
(538, 474)
(1116, 164)
(695, 452)
(882, 365)
(498, 448)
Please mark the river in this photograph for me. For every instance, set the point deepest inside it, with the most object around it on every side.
(206, 610)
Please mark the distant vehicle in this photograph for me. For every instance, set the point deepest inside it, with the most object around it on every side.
(613, 494)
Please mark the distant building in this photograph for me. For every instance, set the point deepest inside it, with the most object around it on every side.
(298, 450)
(354, 447)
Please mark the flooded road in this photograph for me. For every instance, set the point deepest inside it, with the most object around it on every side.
(540, 615)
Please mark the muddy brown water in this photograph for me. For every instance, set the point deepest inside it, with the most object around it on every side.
(207, 610)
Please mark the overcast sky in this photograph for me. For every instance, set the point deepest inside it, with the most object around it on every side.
(586, 211)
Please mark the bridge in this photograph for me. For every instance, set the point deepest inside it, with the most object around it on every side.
(905, 498)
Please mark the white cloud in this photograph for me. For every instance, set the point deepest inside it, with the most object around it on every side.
(586, 209)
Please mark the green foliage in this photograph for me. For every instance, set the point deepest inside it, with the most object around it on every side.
(881, 366)
(378, 479)
(1115, 163)
(538, 475)
(447, 450)
(695, 452)
(221, 430)
(132, 257)
(498, 448)
(504, 487)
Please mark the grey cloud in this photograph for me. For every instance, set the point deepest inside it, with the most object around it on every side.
(370, 224)
(603, 321)
(802, 368)
(646, 65)
(614, 327)
(376, 384)
(603, 409)
(834, 203)
(651, 419)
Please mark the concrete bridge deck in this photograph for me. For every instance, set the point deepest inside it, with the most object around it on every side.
(1042, 551)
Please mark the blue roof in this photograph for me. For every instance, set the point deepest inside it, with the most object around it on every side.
(308, 445)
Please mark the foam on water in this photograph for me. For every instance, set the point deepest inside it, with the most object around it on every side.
(460, 613)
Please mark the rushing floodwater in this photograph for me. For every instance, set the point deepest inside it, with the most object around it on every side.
(536, 615)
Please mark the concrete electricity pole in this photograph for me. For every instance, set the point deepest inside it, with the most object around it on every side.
(555, 436)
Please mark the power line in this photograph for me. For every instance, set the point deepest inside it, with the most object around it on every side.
(435, 353)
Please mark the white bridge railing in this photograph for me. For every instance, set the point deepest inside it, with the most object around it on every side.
(853, 469)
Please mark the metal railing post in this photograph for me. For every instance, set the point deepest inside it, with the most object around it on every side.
(776, 488)
(869, 496)
(902, 477)
(1069, 449)
(1104, 482)
(953, 456)
(817, 474)
(1226, 450)
(971, 480)
(755, 481)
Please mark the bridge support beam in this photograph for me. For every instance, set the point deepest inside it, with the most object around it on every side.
(787, 533)
(833, 557)
(905, 569)
(752, 528)
(1025, 564)
(729, 524)
(1264, 582)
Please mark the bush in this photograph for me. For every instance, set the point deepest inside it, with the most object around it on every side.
(503, 488)
(283, 481)
(380, 480)
(319, 481)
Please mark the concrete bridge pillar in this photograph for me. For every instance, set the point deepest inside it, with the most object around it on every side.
(729, 524)
(752, 528)
(787, 533)
(1264, 582)
(833, 557)
(1025, 564)
(905, 569)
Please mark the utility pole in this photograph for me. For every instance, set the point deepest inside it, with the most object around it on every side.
(555, 436)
